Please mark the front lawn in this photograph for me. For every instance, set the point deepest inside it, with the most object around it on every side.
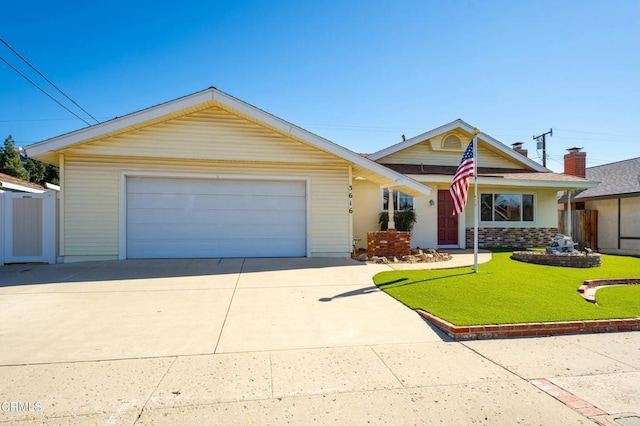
(507, 291)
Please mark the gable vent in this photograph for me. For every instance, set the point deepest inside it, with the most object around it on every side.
(452, 142)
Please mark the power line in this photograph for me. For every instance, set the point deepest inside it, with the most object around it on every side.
(47, 80)
(42, 90)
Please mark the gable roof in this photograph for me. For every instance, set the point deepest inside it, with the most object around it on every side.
(459, 124)
(362, 167)
(12, 183)
(619, 178)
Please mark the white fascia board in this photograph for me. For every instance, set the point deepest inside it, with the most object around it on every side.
(119, 123)
(215, 95)
(511, 153)
(469, 129)
(319, 142)
(21, 188)
(493, 181)
(417, 139)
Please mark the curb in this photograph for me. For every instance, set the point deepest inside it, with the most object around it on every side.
(589, 284)
(492, 331)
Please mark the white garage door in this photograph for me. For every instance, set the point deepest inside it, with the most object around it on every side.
(191, 218)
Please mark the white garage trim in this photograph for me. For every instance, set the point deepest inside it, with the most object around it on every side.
(123, 196)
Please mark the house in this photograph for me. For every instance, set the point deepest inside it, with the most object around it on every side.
(517, 196)
(616, 200)
(208, 175)
(23, 221)
(13, 184)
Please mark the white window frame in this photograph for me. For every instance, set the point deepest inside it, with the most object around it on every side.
(520, 194)
(396, 201)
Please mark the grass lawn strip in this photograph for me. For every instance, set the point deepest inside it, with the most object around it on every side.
(506, 291)
(624, 298)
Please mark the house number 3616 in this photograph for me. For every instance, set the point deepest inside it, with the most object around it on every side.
(350, 198)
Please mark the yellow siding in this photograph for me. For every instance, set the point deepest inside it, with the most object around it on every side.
(367, 204)
(211, 134)
(92, 199)
(422, 153)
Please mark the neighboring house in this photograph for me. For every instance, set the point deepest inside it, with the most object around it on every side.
(23, 220)
(208, 175)
(517, 196)
(14, 184)
(616, 199)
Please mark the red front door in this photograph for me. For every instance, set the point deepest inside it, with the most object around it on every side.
(447, 221)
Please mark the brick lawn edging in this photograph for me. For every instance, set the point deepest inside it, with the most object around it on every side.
(493, 331)
(601, 283)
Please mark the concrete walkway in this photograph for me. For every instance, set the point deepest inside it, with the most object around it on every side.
(459, 258)
(287, 341)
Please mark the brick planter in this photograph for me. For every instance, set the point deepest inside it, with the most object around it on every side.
(567, 260)
(389, 243)
(493, 331)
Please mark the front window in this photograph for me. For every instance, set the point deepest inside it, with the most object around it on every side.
(401, 201)
(506, 207)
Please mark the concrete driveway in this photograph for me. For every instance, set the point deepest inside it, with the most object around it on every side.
(273, 341)
(155, 308)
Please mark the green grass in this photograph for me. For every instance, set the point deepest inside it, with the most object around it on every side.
(623, 298)
(506, 291)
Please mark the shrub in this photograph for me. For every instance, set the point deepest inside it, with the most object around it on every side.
(404, 220)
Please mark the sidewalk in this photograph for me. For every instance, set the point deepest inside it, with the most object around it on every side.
(549, 381)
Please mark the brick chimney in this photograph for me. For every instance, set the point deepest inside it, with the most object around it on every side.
(517, 147)
(575, 162)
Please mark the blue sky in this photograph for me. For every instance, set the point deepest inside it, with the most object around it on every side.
(359, 73)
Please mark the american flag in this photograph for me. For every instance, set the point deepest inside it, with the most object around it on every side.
(460, 184)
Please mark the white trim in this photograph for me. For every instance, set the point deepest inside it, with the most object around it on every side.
(495, 181)
(458, 124)
(61, 208)
(214, 95)
(122, 251)
(21, 188)
(52, 186)
(511, 223)
(119, 123)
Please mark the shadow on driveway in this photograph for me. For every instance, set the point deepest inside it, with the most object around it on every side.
(116, 270)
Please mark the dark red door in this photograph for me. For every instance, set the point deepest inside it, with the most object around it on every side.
(447, 221)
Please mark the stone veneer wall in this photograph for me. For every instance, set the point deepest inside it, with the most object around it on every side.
(511, 237)
(388, 243)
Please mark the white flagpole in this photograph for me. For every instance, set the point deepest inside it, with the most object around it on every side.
(475, 200)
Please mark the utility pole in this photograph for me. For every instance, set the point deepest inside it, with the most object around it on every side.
(544, 145)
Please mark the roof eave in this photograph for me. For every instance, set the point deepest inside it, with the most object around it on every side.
(494, 181)
(469, 129)
(212, 95)
(21, 188)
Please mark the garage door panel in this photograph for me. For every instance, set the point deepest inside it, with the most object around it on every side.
(236, 218)
(172, 218)
(215, 202)
(204, 187)
(178, 232)
(209, 249)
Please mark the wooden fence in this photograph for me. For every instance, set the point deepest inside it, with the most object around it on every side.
(584, 226)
